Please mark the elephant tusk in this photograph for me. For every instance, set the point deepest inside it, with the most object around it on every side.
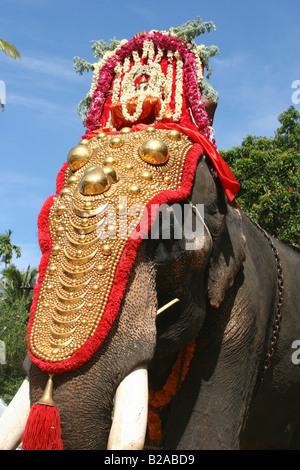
(129, 425)
(168, 305)
(14, 418)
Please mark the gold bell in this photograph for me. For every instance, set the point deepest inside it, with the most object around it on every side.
(47, 398)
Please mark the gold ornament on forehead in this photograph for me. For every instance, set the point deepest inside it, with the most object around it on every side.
(87, 223)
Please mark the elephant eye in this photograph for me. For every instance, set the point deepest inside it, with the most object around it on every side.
(166, 306)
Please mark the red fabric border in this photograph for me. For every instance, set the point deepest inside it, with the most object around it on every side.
(126, 262)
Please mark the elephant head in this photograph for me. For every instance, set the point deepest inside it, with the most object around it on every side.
(95, 322)
(141, 346)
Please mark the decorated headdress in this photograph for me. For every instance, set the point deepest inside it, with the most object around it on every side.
(147, 128)
(171, 68)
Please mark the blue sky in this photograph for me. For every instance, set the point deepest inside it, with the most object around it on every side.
(258, 62)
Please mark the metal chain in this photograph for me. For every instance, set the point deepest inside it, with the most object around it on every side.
(278, 313)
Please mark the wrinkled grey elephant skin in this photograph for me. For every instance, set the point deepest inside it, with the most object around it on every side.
(228, 295)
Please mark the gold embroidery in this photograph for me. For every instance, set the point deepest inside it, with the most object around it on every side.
(89, 233)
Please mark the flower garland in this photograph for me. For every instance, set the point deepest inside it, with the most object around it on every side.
(191, 77)
(159, 399)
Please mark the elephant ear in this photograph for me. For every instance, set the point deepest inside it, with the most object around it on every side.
(227, 256)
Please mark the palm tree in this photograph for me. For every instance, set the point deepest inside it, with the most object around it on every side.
(7, 249)
(18, 285)
(9, 49)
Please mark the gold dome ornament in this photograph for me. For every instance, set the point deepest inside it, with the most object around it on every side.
(110, 160)
(126, 130)
(94, 181)
(134, 189)
(101, 135)
(116, 142)
(78, 156)
(71, 180)
(100, 269)
(110, 173)
(146, 175)
(106, 249)
(174, 134)
(55, 250)
(154, 151)
(121, 209)
(60, 209)
(65, 192)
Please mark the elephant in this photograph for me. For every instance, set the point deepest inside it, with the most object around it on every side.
(228, 296)
(206, 334)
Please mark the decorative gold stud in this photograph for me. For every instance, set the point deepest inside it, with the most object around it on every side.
(110, 160)
(111, 230)
(129, 166)
(150, 129)
(94, 181)
(71, 180)
(167, 179)
(100, 269)
(125, 130)
(154, 151)
(52, 269)
(134, 189)
(84, 142)
(146, 175)
(110, 174)
(85, 222)
(55, 250)
(121, 209)
(116, 142)
(65, 192)
(59, 231)
(101, 135)
(174, 134)
(78, 156)
(88, 205)
(95, 288)
(60, 209)
(106, 249)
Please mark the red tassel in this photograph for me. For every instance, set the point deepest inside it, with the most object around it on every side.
(43, 431)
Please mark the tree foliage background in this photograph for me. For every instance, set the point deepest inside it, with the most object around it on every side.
(16, 292)
(268, 172)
